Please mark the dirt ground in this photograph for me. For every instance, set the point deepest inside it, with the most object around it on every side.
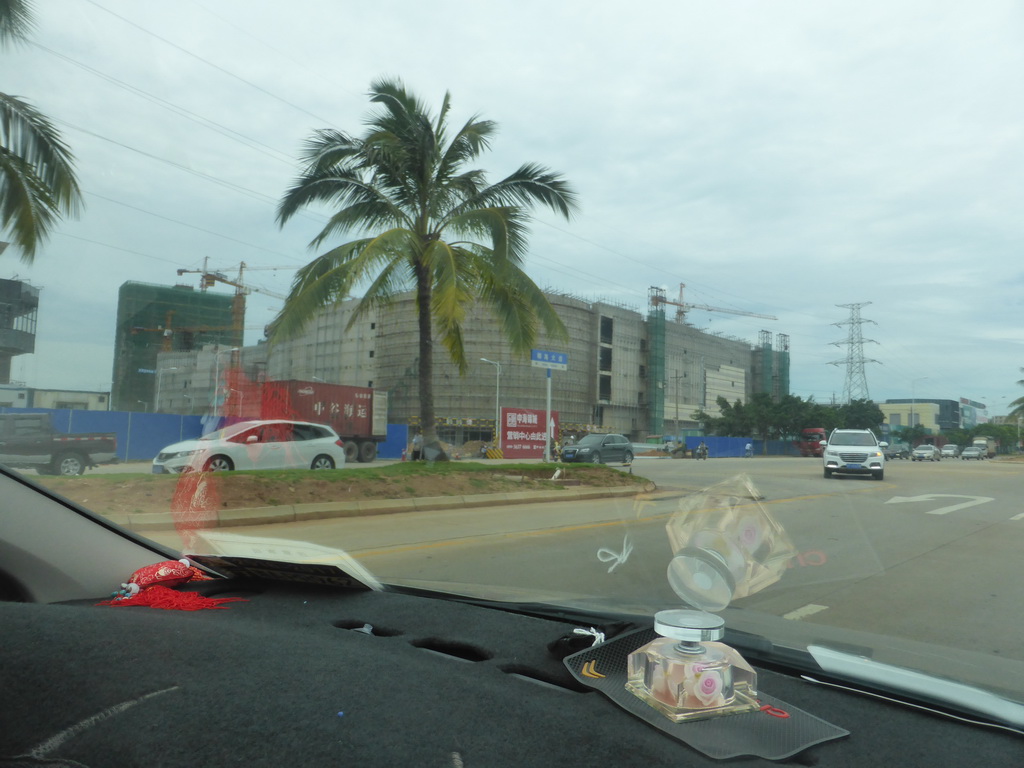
(134, 494)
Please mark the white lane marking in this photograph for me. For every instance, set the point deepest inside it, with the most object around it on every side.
(974, 501)
(1018, 517)
(808, 610)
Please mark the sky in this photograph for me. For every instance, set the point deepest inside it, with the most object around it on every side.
(780, 158)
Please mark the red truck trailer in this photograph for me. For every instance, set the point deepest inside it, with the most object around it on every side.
(809, 443)
(358, 414)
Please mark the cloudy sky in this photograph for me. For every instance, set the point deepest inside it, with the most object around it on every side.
(777, 157)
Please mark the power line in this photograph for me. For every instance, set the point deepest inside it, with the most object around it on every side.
(210, 64)
(197, 228)
(176, 108)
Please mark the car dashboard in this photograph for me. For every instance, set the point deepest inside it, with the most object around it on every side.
(303, 674)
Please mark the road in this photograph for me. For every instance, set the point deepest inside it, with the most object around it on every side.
(945, 536)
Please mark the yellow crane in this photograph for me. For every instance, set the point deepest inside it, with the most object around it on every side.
(658, 297)
(208, 278)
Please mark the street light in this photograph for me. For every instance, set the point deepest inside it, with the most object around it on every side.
(497, 399)
(159, 375)
(216, 376)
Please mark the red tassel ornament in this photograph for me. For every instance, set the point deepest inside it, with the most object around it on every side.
(150, 587)
(172, 600)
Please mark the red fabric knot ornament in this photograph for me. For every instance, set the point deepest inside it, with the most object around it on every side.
(151, 587)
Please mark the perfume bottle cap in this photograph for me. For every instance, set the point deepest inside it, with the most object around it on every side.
(689, 626)
(702, 578)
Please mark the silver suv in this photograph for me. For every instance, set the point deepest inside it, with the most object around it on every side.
(854, 452)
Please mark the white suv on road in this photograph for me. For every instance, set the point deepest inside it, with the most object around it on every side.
(854, 452)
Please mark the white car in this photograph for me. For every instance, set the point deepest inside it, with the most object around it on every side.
(854, 452)
(276, 444)
(950, 451)
(926, 453)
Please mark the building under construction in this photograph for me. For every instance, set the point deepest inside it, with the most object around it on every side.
(154, 318)
(19, 306)
(628, 372)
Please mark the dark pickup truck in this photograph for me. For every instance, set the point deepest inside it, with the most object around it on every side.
(28, 441)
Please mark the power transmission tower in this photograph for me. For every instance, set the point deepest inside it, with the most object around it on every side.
(856, 386)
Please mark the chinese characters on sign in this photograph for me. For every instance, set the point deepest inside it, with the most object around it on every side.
(523, 431)
(540, 358)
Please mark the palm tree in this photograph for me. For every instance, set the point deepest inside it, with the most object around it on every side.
(37, 180)
(1018, 404)
(431, 225)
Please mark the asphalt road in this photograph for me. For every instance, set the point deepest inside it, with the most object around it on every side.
(932, 553)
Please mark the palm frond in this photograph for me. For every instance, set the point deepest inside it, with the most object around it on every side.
(528, 185)
(38, 185)
(453, 283)
(16, 23)
(329, 278)
(504, 227)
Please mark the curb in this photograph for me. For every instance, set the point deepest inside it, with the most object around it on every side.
(291, 513)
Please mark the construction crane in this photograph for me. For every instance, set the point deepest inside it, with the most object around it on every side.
(682, 307)
(208, 279)
(168, 332)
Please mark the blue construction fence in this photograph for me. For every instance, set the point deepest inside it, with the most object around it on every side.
(141, 436)
(733, 447)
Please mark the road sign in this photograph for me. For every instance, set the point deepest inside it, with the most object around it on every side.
(558, 361)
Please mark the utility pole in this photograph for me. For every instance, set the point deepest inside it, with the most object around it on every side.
(856, 386)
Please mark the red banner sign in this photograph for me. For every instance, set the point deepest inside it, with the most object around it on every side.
(523, 431)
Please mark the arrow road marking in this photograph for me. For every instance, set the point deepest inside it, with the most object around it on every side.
(974, 501)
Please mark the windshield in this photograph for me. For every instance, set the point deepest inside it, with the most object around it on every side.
(228, 432)
(600, 226)
(853, 438)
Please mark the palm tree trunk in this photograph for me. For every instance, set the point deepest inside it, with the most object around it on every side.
(428, 425)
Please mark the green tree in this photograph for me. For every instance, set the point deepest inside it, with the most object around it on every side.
(861, 414)
(37, 178)
(430, 223)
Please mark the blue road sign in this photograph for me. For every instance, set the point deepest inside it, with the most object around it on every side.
(558, 361)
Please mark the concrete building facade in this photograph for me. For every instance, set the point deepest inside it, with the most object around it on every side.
(617, 379)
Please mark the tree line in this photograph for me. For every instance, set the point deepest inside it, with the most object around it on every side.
(766, 419)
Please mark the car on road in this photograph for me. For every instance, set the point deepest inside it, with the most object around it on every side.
(272, 444)
(854, 452)
(926, 453)
(950, 451)
(972, 452)
(600, 449)
(897, 451)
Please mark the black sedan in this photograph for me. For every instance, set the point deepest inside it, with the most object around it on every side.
(600, 449)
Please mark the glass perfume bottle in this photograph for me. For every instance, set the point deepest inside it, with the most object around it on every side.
(686, 674)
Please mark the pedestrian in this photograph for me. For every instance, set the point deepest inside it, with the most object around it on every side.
(748, 451)
(417, 446)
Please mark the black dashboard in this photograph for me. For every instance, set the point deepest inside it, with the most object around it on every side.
(310, 676)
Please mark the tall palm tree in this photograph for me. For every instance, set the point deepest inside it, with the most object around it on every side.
(37, 180)
(430, 224)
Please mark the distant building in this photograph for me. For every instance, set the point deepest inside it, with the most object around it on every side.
(72, 399)
(157, 318)
(19, 306)
(629, 373)
(934, 415)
